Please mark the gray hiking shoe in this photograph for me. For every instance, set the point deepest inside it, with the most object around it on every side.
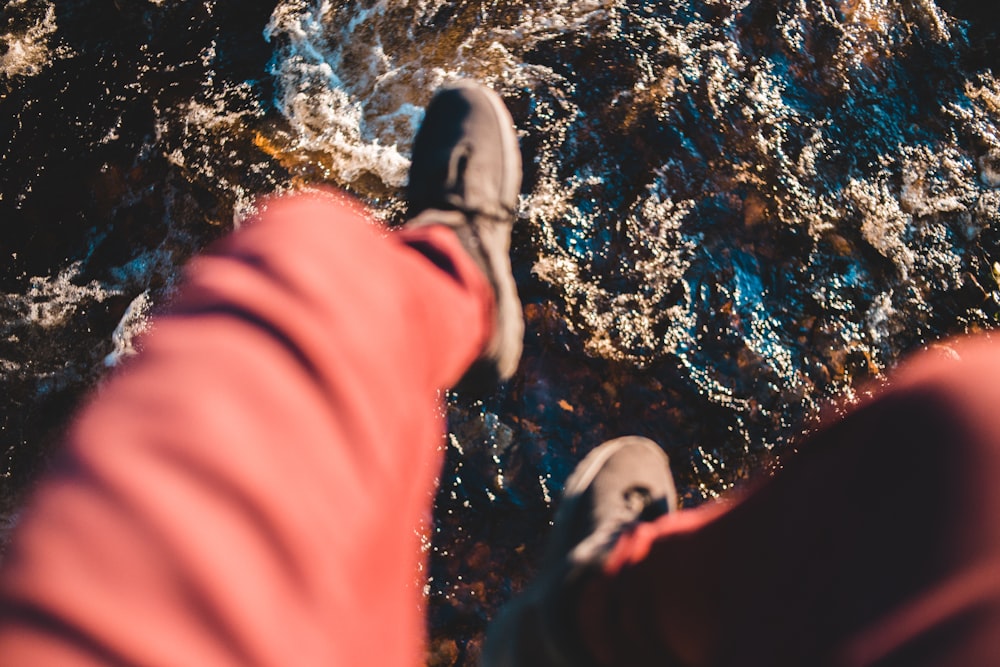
(619, 484)
(466, 173)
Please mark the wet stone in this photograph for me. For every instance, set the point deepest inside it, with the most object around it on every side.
(734, 213)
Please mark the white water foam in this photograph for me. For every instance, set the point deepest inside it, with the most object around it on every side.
(50, 301)
(346, 74)
(25, 49)
(328, 115)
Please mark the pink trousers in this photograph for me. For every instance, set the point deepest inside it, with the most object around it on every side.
(250, 490)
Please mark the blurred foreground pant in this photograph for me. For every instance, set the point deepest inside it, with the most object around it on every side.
(879, 544)
(250, 489)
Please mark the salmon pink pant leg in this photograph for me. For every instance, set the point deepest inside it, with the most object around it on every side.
(251, 488)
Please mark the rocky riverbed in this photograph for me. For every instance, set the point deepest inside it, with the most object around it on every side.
(734, 213)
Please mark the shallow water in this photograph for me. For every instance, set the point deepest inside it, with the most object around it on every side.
(734, 213)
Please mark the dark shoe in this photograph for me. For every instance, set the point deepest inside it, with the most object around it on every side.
(618, 485)
(466, 174)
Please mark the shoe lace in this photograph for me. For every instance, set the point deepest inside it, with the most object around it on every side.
(640, 503)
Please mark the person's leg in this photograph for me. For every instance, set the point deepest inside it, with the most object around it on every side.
(621, 482)
(879, 544)
(250, 490)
